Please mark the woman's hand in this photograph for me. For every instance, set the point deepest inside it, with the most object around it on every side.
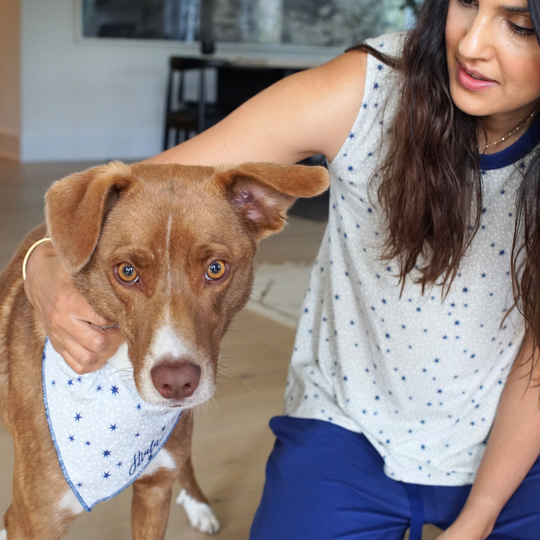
(462, 529)
(455, 534)
(75, 330)
(475, 522)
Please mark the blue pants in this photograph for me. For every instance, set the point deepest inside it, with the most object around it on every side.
(324, 482)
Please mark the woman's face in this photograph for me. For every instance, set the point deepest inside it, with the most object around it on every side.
(493, 59)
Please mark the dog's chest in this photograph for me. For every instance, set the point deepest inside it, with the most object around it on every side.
(105, 435)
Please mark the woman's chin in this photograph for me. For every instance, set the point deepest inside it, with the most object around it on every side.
(474, 104)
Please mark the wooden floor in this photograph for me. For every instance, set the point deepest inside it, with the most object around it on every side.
(232, 440)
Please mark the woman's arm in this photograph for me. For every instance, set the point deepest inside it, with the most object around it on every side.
(307, 113)
(310, 112)
(512, 449)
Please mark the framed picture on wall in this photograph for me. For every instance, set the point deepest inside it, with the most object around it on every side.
(276, 23)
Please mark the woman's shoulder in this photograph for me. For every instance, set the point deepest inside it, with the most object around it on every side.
(338, 92)
(388, 44)
(340, 85)
(349, 69)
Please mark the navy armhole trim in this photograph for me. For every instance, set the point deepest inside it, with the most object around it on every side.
(514, 152)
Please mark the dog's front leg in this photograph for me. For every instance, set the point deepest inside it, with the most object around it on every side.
(150, 506)
(43, 505)
(195, 503)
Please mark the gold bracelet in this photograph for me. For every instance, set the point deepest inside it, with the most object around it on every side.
(29, 252)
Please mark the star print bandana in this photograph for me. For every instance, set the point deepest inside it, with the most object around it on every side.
(105, 435)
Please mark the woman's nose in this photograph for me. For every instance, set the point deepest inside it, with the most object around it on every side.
(477, 43)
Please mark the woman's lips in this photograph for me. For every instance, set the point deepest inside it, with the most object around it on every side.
(471, 83)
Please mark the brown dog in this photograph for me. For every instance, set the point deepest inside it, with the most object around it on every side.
(165, 250)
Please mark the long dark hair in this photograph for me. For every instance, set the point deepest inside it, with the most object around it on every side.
(526, 247)
(431, 187)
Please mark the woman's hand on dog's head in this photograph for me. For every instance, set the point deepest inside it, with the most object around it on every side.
(84, 339)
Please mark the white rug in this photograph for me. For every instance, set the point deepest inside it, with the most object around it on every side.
(279, 290)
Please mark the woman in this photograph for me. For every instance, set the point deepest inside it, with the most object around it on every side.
(408, 335)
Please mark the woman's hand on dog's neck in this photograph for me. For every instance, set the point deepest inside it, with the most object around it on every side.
(74, 329)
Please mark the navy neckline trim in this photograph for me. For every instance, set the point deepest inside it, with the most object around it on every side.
(515, 151)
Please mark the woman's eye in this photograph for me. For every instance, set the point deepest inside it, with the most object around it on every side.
(127, 273)
(216, 270)
(520, 30)
(467, 3)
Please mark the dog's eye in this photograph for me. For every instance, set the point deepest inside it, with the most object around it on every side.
(215, 270)
(127, 273)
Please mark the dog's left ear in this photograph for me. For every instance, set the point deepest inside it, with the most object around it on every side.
(263, 192)
(76, 207)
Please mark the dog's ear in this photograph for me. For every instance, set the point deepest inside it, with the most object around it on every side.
(263, 192)
(76, 206)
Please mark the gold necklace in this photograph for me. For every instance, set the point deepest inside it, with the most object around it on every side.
(513, 131)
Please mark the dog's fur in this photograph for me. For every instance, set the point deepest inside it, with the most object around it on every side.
(170, 222)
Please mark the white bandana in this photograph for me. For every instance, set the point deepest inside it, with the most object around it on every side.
(105, 435)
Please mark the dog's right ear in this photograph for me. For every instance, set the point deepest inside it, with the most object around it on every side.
(76, 206)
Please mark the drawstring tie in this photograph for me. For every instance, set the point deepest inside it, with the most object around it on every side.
(417, 511)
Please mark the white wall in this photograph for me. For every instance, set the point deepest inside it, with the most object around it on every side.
(10, 121)
(87, 99)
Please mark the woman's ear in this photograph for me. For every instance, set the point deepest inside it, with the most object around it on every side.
(261, 193)
(76, 206)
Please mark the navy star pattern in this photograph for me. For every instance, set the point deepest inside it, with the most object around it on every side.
(418, 372)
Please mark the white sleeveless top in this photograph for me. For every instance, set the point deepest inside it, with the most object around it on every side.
(420, 376)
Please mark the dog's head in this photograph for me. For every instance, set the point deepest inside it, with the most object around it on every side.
(167, 251)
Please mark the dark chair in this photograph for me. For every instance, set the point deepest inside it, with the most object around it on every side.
(185, 118)
(235, 85)
(238, 83)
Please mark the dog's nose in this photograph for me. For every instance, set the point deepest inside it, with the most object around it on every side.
(176, 380)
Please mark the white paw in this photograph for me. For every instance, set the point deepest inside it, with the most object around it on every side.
(3, 535)
(200, 515)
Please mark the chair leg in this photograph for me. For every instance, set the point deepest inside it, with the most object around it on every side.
(165, 138)
(168, 109)
(202, 102)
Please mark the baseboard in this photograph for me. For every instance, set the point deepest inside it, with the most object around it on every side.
(10, 146)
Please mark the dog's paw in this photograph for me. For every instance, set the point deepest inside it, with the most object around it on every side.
(3, 535)
(200, 515)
